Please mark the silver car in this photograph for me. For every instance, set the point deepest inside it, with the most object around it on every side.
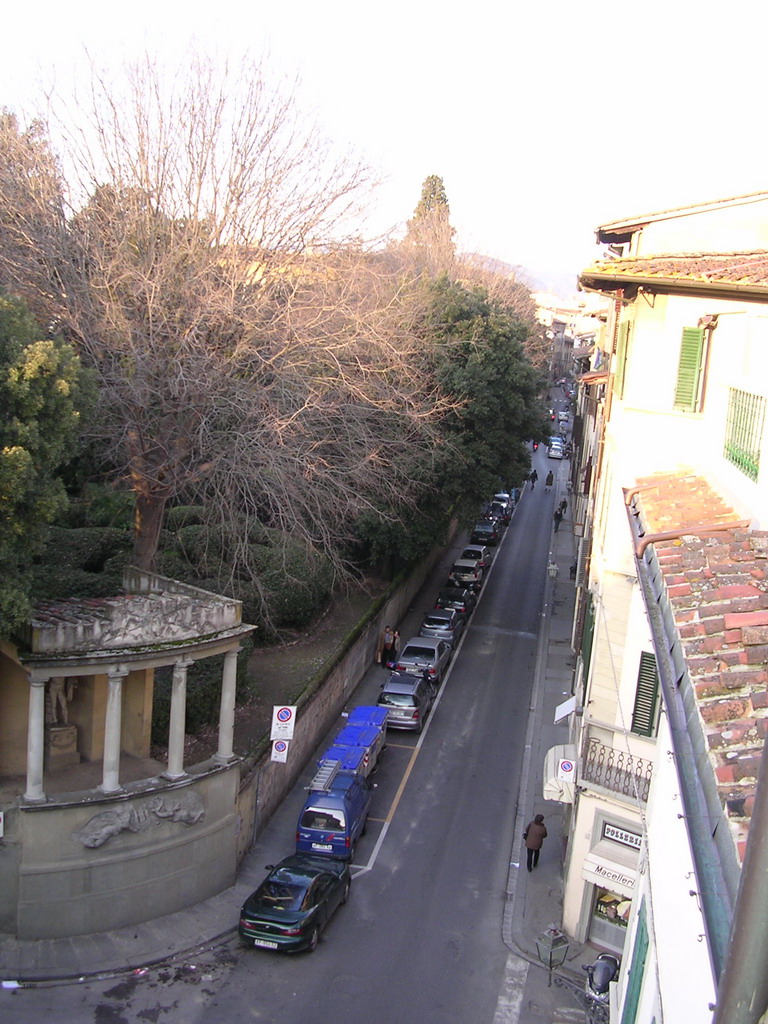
(408, 700)
(466, 572)
(480, 553)
(425, 656)
(444, 623)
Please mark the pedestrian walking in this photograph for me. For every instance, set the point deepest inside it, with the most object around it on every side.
(558, 516)
(533, 478)
(534, 836)
(549, 481)
(563, 506)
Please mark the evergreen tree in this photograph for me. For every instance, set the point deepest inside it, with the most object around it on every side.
(42, 390)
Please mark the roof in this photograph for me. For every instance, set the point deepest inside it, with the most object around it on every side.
(593, 377)
(622, 230)
(717, 587)
(741, 274)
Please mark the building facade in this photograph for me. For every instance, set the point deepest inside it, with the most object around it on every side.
(669, 496)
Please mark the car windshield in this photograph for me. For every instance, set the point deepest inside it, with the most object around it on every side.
(278, 895)
(419, 653)
(397, 700)
(322, 818)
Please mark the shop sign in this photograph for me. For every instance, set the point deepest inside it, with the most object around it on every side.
(613, 876)
(621, 835)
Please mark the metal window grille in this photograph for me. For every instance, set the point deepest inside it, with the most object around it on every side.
(744, 431)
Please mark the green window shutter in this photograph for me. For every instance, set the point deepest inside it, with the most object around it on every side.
(636, 968)
(620, 359)
(689, 369)
(646, 696)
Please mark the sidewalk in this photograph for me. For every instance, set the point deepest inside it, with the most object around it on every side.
(534, 901)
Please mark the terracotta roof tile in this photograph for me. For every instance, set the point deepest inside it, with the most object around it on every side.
(746, 269)
(719, 597)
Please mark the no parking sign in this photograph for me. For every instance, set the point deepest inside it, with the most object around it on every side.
(566, 769)
(283, 720)
(280, 750)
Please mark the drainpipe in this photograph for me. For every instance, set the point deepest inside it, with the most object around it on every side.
(699, 530)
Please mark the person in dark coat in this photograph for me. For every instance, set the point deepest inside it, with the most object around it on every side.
(533, 478)
(534, 836)
(558, 518)
(549, 481)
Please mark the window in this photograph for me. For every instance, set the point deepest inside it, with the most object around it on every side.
(619, 362)
(744, 431)
(688, 389)
(636, 968)
(646, 697)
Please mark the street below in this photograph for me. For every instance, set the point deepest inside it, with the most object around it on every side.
(421, 938)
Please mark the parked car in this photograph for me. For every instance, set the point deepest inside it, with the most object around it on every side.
(555, 451)
(462, 599)
(486, 532)
(479, 553)
(334, 814)
(424, 655)
(466, 572)
(408, 699)
(505, 499)
(444, 623)
(562, 416)
(294, 903)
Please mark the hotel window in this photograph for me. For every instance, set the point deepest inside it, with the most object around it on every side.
(645, 711)
(619, 361)
(744, 431)
(689, 391)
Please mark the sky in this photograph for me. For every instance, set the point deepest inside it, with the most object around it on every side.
(543, 120)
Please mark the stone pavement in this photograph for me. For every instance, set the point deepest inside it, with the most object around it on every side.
(534, 901)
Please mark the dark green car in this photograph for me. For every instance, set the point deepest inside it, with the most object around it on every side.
(294, 903)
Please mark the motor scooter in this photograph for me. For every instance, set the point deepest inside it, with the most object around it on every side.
(599, 976)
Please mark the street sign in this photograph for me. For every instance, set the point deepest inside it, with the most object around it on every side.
(566, 770)
(279, 750)
(283, 721)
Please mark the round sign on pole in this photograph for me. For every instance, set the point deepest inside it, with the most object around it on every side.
(283, 721)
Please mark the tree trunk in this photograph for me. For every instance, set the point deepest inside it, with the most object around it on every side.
(148, 519)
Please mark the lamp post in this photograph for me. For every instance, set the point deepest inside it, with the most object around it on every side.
(552, 949)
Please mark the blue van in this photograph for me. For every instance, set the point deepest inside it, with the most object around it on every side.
(334, 814)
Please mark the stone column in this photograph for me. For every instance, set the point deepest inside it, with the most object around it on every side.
(36, 741)
(175, 769)
(110, 782)
(226, 753)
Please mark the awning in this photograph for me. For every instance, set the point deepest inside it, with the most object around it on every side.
(560, 773)
(592, 376)
(566, 708)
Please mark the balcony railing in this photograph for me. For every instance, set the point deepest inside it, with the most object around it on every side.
(616, 770)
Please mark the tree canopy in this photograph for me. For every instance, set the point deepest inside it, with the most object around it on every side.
(42, 392)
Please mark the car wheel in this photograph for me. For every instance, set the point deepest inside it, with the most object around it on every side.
(345, 894)
(314, 938)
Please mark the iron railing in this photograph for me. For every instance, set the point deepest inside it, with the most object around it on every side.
(615, 769)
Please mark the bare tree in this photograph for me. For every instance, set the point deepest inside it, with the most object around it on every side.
(188, 238)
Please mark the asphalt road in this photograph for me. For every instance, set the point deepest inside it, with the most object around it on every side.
(420, 939)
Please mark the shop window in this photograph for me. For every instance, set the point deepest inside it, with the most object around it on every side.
(744, 431)
(645, 711)
(610, 913)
